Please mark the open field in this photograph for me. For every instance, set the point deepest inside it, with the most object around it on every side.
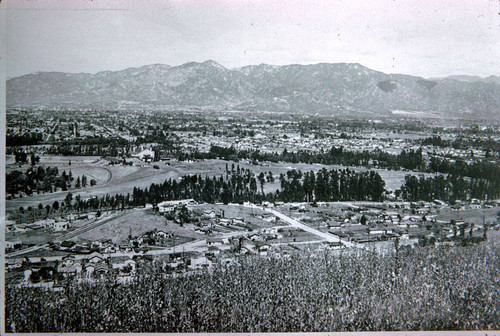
(135, 224)
(237, 211)
(122, 179)
(471, 215)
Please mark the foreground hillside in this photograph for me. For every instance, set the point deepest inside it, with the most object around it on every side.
(319, 88)
(420, 289)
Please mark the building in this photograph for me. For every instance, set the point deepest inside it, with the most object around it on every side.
(13, 244)
(61, 226)
(169, 206)
(146, 155)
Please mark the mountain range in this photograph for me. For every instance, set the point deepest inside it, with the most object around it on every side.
(317, 88)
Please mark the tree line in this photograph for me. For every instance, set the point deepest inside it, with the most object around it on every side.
(408, 159)
(241, 185)
(449, 188)
(331, 185)
(41, 180)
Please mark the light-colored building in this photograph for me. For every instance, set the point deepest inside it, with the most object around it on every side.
(13, 244)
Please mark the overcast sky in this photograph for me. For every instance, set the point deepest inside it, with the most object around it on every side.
(425, 38)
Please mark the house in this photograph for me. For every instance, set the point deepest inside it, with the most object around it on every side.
(247, 248)
(203, 230)
(95, 257)
(10, 225)
(375, 231)
(262, 248)
(125, 266)
(89, 270)
(333, 245)
(208, 214)
(9, 265)
(68, 260)
(212, 251)
(334, 225)
(73, 269)
(271, 230)
(101, 269)
(200, 263)
(268, 217)
(22, 228)
(46, 223)
(169, 206)
(225, 221)
(61, 226)
(162, 234)
(13, 244)
(66, 245)
(255, 237)
(238, 220)
(146, 155)
(214, 242)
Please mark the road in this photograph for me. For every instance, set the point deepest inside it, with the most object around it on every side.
(26, 250)
(325, 235)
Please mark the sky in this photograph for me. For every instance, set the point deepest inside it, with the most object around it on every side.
(418, 37)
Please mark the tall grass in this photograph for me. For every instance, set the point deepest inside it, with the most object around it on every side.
(420, 289)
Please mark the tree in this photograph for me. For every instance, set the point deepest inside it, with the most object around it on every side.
(68, 199)
(34, 159)
(55, 205)
(93, 182)
(363, 220)
(184, 215)
(262, 180)
(20, 157)
(84, 181)
(78, 184)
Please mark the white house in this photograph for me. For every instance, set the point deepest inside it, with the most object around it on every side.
(146, 155)
(61, 226)
(13, 244)
(168, 206)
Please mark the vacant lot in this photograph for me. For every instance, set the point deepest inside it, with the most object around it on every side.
(475, 216)
(135, 223)
(249, 215)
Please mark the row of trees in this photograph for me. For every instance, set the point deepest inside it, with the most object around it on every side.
(449, 188)
(240, 185)
(26, 139)
(411, 159)
(490, 146)
(477, 169)
(332, 185)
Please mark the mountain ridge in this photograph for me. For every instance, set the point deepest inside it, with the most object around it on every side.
(320, 88)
